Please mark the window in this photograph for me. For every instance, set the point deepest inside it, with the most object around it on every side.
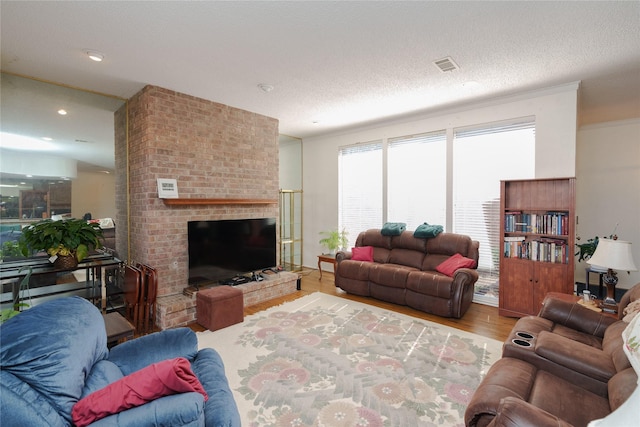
(419, 188)
(481, 158)
(360, 188)
(417, 180)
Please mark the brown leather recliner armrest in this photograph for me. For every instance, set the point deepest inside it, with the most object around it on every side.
(574, 316)
(574, 355)
(514, 412)
(342, 255)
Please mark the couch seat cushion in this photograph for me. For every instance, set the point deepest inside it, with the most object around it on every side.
(355, 270)
(390, 275)
(430, 283)
(566, 400)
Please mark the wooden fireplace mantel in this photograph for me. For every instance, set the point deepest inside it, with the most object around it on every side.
(196, 201)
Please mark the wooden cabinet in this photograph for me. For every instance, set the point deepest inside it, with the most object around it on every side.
(537, 240)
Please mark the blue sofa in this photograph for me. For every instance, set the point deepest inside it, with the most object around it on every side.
(55, 353)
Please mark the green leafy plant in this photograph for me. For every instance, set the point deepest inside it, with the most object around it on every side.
(334, 240)
(62, 238)
(15, 309)
(10, 249)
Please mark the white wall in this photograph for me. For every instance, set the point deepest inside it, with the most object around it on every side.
(555, 114)
(94, 193)
(608, 188)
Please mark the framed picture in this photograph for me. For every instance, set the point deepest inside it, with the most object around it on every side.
(167, 188)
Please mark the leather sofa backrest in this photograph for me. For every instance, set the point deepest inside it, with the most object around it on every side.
(381, 244)
(444, 245)
(407, 250)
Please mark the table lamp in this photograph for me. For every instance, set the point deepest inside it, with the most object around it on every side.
(612, 254)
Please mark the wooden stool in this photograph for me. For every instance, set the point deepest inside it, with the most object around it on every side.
(219, 307)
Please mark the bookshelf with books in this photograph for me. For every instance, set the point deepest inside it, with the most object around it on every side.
(537, 240)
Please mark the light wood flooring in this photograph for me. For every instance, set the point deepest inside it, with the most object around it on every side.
(480, 319)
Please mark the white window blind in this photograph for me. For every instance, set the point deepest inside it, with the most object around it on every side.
(482, 157)
(360, 188)
(417, 179)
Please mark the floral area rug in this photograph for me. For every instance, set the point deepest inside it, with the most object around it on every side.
(326, 361)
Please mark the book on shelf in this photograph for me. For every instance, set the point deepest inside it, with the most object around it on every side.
(551, 222)
(542, 250)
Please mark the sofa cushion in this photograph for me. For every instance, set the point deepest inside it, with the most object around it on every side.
(566, 400)
(430, 283)
(407, 241)
(449, 244)
(381, 244)
(390, 275)
(362, 253)
(102, 374)
(406, 258)
(53, 346)
(355, 270)
(164, 378)
(453, 263)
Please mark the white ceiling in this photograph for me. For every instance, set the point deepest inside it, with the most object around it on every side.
(341, 64)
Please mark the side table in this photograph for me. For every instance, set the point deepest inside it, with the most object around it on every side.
(118, 328)
(331, 259)
(576, 299)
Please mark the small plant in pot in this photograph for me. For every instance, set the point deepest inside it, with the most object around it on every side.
(69, 241)
(334, 240)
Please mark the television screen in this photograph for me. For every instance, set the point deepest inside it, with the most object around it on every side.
(223, 249)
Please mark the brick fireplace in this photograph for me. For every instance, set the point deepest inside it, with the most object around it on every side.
(214, 152)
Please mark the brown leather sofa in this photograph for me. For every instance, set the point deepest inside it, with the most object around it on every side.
(404, 272)
(564, 367)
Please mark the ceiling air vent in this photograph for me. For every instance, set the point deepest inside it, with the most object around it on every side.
(446, 64)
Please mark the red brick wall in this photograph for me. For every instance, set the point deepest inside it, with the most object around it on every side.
(213, 151)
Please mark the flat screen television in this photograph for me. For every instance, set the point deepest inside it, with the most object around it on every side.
(223, 249)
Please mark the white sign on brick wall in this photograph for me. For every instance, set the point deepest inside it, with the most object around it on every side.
(167, 188)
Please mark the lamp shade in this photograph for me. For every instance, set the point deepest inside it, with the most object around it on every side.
(613, 254)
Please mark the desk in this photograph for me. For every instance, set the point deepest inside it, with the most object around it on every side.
(117, 327)
(331, 259)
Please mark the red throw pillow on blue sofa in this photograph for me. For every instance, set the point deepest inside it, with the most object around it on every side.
(160, 379)
(454, 262)
(362, 253)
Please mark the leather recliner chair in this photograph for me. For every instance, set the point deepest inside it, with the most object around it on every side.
(565, 366)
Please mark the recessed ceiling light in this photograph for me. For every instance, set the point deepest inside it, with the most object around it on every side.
(46, 138)
(94, 55)
(62, 112)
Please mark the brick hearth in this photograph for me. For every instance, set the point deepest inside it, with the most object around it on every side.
(180, 309)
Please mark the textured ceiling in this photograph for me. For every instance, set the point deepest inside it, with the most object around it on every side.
(340, 64)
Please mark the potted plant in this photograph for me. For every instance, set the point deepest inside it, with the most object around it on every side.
(334, 240)
(67, 241)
